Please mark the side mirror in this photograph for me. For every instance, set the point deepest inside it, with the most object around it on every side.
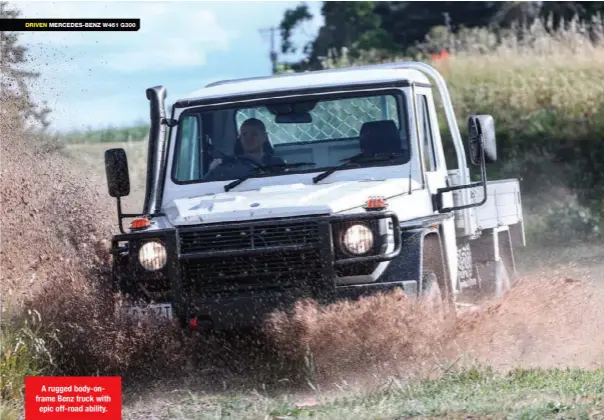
(481, 137)
(116, 169)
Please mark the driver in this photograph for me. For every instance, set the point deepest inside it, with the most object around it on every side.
(251, 146)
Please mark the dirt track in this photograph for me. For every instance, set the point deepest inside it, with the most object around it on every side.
(551, 318)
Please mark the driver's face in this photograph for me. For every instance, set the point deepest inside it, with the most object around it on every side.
(252, 138)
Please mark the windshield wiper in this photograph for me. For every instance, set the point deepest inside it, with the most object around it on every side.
(258, 169)
(361, 157)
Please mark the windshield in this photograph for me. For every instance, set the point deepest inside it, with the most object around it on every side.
(307, 134)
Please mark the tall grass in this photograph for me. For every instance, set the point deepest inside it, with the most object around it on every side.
(546, 95)
(23, 352)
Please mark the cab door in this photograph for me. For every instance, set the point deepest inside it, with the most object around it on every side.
(435, 170)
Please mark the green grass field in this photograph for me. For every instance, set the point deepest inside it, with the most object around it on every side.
(472, 393)
(135, 133)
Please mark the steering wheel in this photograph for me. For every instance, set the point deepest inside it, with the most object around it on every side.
(226, 159)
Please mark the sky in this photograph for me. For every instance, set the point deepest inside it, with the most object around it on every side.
(94, 80)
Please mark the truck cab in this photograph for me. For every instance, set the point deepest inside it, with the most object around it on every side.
(326, 185)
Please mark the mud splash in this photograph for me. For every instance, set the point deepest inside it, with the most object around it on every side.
(547, 320)
(388, 332)
(54, 258)
(53, 223)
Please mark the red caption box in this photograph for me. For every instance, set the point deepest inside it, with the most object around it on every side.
(73, 397)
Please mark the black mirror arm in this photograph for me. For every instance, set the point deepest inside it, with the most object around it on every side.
(437, 198)
(121, 216)
(475, 141)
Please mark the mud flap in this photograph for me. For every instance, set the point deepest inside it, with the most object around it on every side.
(498, 279)
(502, 278)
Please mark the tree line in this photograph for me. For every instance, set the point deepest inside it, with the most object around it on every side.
(395, 27)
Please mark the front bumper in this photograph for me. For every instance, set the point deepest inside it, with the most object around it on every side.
(246, 311)
(216, 293)
(233, 275)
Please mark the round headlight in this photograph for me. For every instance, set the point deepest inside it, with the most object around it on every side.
(357, 239)
(153, 256)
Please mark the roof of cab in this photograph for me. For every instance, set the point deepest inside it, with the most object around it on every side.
(310, 80)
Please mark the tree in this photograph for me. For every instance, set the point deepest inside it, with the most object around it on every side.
(566, 10)
(291, 19)
(396, 27)
(350, 25)
(385, 27)
(15, 96)
(409, 22)
(523, 12)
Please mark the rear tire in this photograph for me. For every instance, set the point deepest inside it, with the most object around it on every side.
(465, 270)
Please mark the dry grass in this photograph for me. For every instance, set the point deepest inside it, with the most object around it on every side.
(519, 81)
(532, 71)
(547, 99)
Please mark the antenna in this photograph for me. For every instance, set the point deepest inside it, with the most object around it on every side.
(272, 52)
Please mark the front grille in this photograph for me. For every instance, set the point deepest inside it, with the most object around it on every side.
(248, 237)
(278, 269)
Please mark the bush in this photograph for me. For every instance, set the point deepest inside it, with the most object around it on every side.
(561, 222)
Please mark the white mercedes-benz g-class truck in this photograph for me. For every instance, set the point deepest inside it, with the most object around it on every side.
(323, 185)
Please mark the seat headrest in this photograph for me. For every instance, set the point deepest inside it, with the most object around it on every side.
(377, 137)
(268, 147)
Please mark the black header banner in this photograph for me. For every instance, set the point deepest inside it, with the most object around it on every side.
(99, 25)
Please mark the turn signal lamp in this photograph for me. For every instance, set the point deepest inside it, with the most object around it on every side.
(140, 223)
(376, 203)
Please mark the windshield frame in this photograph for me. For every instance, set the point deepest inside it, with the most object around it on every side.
(402, 105)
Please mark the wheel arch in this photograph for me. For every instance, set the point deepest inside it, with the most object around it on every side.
(419, 246)
(433, 257)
